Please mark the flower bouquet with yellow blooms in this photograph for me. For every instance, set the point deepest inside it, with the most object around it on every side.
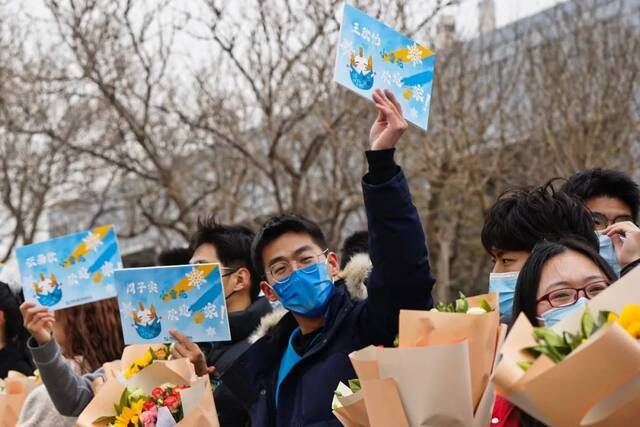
(147, 388)
(439, 373)
(583, 371)
(13, 392)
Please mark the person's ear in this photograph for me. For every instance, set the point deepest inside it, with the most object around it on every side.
(333, 264)
(241, 279)
(268, 291)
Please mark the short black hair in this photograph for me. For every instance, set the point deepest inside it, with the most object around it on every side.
(281, 224)
(600, 182)
(355, 243)
(174, 256)
(529, 278)
(232, 243)
(522, 217)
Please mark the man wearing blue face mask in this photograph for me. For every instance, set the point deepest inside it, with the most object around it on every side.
(518, 220)
(613, 199)
(289, 374)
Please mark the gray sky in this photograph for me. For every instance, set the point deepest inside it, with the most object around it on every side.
(507, 11)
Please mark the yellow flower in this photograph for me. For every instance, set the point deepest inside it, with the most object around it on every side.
(129, 415)
(147, 358)
(629, 319)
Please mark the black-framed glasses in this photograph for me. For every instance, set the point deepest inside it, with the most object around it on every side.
(281, 270)
(229, 271)
(601, 221)
(568, 296)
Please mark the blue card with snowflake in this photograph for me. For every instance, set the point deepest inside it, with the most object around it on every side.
(70, 270)
(371, 56)
(188, 298)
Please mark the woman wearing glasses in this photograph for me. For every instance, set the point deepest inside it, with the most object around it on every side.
(557, 279)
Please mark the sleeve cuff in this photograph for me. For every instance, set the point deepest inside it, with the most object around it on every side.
(43, 354)
(382, 166)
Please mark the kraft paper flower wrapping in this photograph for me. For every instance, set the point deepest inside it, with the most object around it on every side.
(598, 384)
(197, 400)
(16, 389)
(438, 375)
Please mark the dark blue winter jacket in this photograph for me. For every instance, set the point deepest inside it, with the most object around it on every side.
(401, 278)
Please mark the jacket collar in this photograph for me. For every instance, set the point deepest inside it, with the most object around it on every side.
(243, 323)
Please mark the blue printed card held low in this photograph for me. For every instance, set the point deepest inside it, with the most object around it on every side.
(187, 298)
(70, 270)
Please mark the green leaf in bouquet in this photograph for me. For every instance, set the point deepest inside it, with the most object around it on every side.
(587, 324)
(547, 336)
(354, 385)
(525, 365)
(462, 305)
(396, 342)
(444, 308)
(153, 354)
(124, 401)
(485, 306)
(572, 340)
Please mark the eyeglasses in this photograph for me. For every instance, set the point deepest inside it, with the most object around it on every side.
(281, 270)
(601, 221)
(229, 271)
(568, 296)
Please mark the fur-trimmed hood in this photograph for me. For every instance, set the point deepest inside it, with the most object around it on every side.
(354, 276)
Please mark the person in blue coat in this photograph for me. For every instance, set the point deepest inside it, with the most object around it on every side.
(287, 377)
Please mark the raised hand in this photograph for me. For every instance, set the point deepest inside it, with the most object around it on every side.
(627, 250)
(187, 348)
(39, 321)
(390, 124)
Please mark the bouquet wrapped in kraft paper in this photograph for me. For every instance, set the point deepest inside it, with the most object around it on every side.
(145, 388)
(585, 370)
(437, 376)
(13, 392)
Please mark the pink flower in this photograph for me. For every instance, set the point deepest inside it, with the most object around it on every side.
(171, 402)
(149, 417)
(157, 392)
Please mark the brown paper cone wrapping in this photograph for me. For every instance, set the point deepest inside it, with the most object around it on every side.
(563, 394)
(426, 328)
(353, 412)
(178, 372)
(17, 388)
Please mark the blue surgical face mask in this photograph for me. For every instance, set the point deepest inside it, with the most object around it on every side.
(608, 252)
(307, 291)
(556, 314)
(505, 285)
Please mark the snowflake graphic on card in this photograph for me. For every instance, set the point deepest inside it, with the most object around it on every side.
(196, 278)
(93, 242)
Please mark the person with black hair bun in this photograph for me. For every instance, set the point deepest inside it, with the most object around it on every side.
(613, 199)
(558, 279)
(14, 355)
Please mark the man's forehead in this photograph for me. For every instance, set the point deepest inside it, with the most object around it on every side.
(289, 244)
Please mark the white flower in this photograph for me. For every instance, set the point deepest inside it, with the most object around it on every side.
(92, 241)
(210, 311)
(195, 278)
(476, 310)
